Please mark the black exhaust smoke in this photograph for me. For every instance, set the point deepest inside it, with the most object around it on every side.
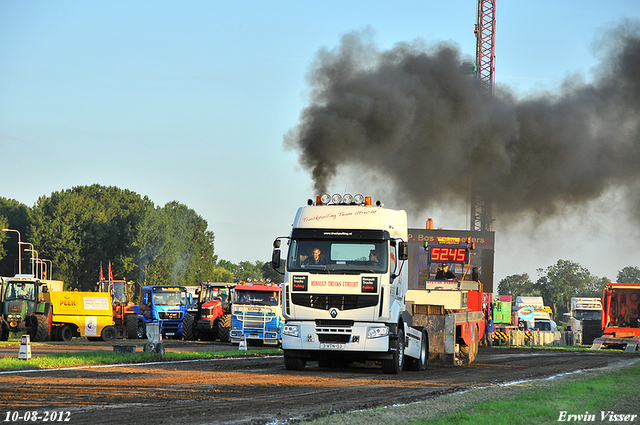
(409, 117)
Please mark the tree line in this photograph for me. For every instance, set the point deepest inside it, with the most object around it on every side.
(81, 229)
(558, 283)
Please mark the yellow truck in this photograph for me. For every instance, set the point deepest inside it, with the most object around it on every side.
(78, 314)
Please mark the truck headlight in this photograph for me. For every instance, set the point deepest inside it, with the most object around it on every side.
(377, 331)
(291, 330)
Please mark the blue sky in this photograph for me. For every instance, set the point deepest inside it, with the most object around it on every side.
(189, 101)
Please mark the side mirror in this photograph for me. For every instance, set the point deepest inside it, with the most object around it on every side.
(403, 251)
(145, 298)
(275, 258)
(276, 243)
(45, 289)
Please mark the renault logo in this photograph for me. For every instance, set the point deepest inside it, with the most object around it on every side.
(333, 312)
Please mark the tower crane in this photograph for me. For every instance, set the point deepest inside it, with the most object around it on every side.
(485, 65)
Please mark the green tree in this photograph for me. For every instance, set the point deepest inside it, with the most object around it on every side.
(517, 285)
(81, 228)
(629, 274)
(220, 274)
(234, 269)
(250, 270)
(566, 279)
(174, 247)
(270, 273)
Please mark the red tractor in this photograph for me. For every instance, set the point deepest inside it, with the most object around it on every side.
(212, 318)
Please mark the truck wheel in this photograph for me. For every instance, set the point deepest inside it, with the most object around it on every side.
(396, 363)
(420, 363)
(187, 327)
(40, 327)
(294, 363)
(109, 334)
(224, 326)
(65, 333)
(132, 327)
(141, 330)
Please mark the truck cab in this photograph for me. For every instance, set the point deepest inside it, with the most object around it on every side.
(165, 305)
(256, 313)
(343, 292)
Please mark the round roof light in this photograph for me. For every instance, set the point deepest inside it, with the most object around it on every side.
(347, 198)
(336, 198)
(358, 199)
(325, 199)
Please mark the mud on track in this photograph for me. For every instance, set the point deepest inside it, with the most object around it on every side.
(260, 390)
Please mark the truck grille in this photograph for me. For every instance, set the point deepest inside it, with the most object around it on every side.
(166, 315)
(341, 302)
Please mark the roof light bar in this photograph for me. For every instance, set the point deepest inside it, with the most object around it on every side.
(346, 199)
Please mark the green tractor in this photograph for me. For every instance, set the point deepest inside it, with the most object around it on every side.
(23, 308)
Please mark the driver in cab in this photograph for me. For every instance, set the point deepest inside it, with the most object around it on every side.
(444, 273)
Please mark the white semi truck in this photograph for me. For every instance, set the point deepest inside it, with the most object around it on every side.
(345, 286)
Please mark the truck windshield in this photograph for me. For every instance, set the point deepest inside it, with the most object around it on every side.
(256, 297)
(212, 293)
(172, 298)
(589, 314)
(20, 291)
(327, 256)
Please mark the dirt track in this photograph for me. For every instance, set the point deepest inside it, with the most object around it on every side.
(259, 389)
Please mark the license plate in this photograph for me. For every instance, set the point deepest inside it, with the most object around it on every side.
(253, 336)
(170, 333)
(325, 346)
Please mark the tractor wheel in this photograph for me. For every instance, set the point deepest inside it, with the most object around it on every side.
(224, 326)
(65, 333)
(188, 327)
(395, 364)
(40, 327)
(109, 334)
(132, 327)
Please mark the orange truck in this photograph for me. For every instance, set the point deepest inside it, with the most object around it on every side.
(620, 326)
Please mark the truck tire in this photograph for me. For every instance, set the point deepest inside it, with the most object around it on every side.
(224, 326)
(109, 334)
(40, 327)
(395, 364)
(65, 333)
(420, 364)
(141, 329)
(188, 327)
(294, 363)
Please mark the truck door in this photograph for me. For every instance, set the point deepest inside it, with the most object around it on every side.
(146, 309)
